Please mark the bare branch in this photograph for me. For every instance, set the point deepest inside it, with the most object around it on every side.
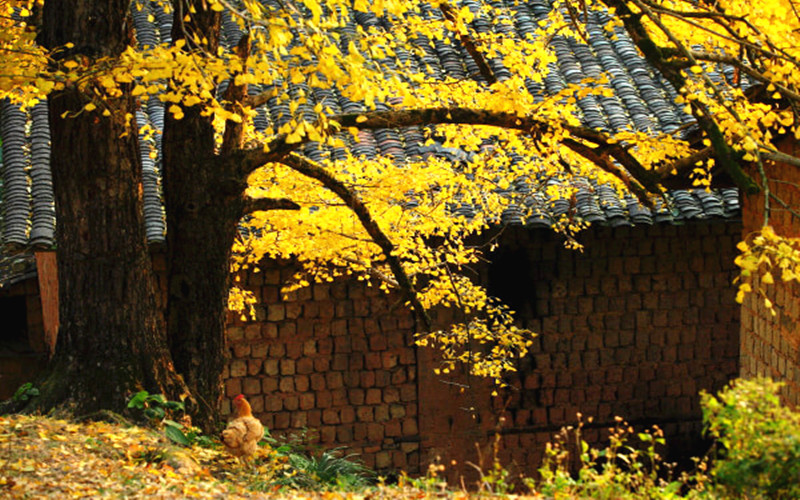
(278, 147)
(264, 204)
(257, 100)
(351, 199)
(469, 46)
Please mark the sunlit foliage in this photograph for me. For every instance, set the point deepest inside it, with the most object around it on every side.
(393, 220)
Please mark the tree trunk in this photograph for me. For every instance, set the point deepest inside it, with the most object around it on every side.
(203, 206)
(111, 339)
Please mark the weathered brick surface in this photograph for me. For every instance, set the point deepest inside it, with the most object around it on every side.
(333, 358)
(635, 326)
(770, 345)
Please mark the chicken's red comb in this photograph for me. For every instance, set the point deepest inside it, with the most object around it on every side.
(239, 397)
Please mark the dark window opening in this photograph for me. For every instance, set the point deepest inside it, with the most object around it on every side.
(14, 326)
(510, 280)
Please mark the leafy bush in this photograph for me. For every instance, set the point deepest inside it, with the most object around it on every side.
(621, 470)
(294, 465)
(756, 455)
(758, 441)
(25, 392)
(160, 411)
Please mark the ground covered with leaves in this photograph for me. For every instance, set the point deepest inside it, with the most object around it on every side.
(43, 457)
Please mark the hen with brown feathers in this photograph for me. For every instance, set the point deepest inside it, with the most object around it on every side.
(243, 433)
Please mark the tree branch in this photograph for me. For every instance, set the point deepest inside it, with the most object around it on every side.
(469, 46)
(263, 204)
(350, 198)
(725, 155)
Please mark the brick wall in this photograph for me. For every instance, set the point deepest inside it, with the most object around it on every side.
(635, 326)
(770, 345)
(337, 359)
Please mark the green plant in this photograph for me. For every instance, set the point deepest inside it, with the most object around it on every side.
(292, 466)
(621, 470)
(758, 441)
(160, 411)
(25, 392)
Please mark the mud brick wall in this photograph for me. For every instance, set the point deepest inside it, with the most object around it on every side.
(770, 345)
(635, 326)
(336, 359)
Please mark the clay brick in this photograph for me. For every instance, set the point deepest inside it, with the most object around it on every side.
(356, 396)
(330, 416)
(291, 403)
(305, 327)
(287, 367)
(271, 367)
(301, 383)
(305, 366)
(307, 401)
(373, 396)
(276, 312)
(277, 351)
(251, 386)
(344, 434)
(287, 330)
(356, 362)
(391, 395)
(341, 345)
(340, 362)
(339, 328)
(317, 381)
(299, 420)
(399, 377)
(254, 366)
(347, 414)
(367, 379)
(372, 360)
(375, 432)
(328, 434)
(238, 368)
(273, 404)
(339, 397)
(389, 360)
(269, 330)
(269, 385)
(382, 413)
(408, 392)
(365, 414)
(286, 384)
(294, 350)
(233, 387)
(321, 365)
(324, 399)
(293, 310)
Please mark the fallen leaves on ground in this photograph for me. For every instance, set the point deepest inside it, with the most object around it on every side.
(42, 457)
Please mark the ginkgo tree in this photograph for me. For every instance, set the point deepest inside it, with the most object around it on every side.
(302, 187)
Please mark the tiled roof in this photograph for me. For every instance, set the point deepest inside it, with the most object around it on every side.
(642, 101)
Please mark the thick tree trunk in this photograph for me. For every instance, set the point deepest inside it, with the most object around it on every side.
(203, 206)
(111, 339)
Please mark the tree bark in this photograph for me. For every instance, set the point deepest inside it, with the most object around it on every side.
(203, 206)
(111, 339)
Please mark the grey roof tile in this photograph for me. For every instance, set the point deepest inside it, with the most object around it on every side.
(642, 100)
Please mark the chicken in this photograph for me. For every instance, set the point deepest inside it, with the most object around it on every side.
(242, 434)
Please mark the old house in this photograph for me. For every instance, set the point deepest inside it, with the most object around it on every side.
(635, 326)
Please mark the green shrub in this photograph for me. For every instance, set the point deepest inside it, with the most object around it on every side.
(758, 441)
